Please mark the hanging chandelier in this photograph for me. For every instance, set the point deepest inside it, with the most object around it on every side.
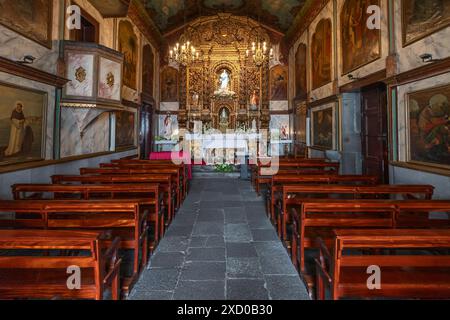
(259, 53)
(186, 53)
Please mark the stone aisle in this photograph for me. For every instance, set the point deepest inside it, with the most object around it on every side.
(221, 245)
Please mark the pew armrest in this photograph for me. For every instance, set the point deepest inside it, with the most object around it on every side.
(320, 270)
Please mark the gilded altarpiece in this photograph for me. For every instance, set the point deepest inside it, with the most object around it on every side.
(226, 90)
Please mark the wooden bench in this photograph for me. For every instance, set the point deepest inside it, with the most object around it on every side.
(294, 195)
(274, 192)
(317, 219)
(123, 218)
(266, 172)
(26, 271)
(325, 214)
(151, 165)
(166, 183)
(417, 266)
(132, 171)
(159, 163)
(148, 196)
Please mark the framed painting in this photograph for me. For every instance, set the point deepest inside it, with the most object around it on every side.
(169, 85)
(30, 18)
(428, 139)
(301, 89)
(359, 44)
(321, 52)
(128, 45)
(279, 83)
(125, 129)
(22, 123)
(421, 18)
(323, 126)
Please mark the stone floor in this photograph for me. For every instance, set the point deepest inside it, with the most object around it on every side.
(220, 246)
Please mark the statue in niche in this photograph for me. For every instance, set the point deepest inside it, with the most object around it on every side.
(224, 85)
(254, 129)
(254, 101)
(224, 81)
(195, 99)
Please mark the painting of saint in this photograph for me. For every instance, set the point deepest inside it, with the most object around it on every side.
(429, 126)
(125, 129)
(322, 128)
(128, 45)
(421, 18)
(169, 85)
(21, 124)
(30, 18)
(148, 70)
(278, 83)
(300, 72)
(360, 45)
(321, 54)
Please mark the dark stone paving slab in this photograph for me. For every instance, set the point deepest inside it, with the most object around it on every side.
(206, 254)
(285, 288)
(200, 290)
(246, 289)
(194, 270)
(241, 250)
(221, 245)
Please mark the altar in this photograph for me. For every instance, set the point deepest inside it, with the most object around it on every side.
(219, 148)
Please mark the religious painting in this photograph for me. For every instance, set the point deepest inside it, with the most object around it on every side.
(128, 45)
(125, 129)
(169, 85)
(279, 127)
(322, 120)
(30, 18)
(168, 126)
(148, 70)
(110, 77)
(278, 83)
(360, 45)
(301, 88)
(429, 126)
(21, 124)
(321, 54)
(421, 18)
(80, 72)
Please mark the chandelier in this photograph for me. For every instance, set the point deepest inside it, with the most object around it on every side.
(185, 54)
(259, 53)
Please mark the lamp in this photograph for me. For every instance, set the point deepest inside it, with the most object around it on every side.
(428, 57)
(28, 59)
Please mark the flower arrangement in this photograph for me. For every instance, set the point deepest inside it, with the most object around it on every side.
(224, 167)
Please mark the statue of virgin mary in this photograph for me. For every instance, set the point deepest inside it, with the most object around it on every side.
(224, 81)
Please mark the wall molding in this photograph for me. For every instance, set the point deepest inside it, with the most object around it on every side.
(30, 73)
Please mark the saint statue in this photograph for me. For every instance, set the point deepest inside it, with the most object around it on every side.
(224, 81)
(195, 98)
(254, 125)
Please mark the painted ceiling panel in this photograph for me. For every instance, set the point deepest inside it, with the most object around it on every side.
(169, 14)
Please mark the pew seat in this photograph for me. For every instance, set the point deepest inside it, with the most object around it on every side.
(28, 271)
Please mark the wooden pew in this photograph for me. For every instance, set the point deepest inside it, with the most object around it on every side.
(148, 196)
(316, 213)
(265, 172)
(122, 217)
(316, 219)
(418, 272)
(27, 272)
(165, 181)
(160, 163)
(151, 165)
(294, 195)
(174, 172)
(274, 192)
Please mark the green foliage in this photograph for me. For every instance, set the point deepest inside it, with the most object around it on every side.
(224, 168)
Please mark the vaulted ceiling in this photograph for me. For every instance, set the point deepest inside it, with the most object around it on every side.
(170, 14)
